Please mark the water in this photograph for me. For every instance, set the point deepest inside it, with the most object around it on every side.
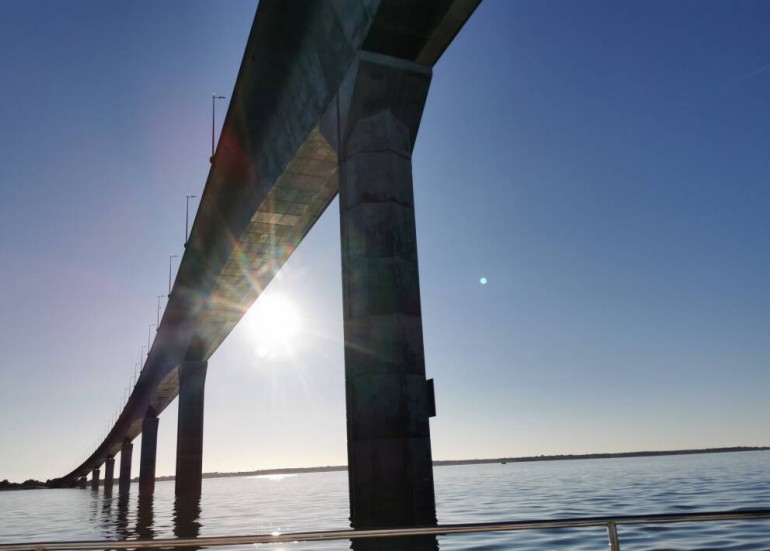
(471, 493)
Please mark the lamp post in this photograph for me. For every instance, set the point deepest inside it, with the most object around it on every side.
(149, 332)
(157, 324)
(170, 265)
(141, 358)
(214, 99)
(187, 218)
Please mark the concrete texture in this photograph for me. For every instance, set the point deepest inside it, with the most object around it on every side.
(389, 453)
(95, 479)
(148, 455)
(124, 481)
(189, 437)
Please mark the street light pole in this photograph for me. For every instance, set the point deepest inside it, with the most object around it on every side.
(214, 99)
(170, 265)
(149, 332)
(157, 325)
(187, 218)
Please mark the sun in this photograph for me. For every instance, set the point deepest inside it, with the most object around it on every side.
(274, 324)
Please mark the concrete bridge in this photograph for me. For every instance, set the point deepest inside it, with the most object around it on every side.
(328, 100)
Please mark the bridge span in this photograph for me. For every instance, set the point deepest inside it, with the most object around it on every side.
(327, 101)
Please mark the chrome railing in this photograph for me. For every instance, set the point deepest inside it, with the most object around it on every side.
(610, 523)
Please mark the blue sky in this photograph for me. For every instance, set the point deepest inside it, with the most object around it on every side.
(604, 164)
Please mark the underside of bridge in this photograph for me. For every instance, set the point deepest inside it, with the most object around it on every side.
(328, 100)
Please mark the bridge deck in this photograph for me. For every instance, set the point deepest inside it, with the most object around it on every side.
(273, 173)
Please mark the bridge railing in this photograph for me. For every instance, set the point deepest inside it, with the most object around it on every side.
(610, 523)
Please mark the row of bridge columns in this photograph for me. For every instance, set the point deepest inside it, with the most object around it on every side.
(189, 465)
(372, 126)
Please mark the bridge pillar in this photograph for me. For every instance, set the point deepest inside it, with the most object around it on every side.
(189, 436)
(82, 482)
(148, 454)
(109, 473)
(390, 467)
(95, 479)
(124, 482)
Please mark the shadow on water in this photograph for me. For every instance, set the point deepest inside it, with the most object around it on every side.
(145, 518)
(420, 543)
(187, 511)
(106, 515)
(121, 519)
(93, 512)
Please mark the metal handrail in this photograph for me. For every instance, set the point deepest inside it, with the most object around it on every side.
(611, 523)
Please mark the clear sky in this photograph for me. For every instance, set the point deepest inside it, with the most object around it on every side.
(605, 165)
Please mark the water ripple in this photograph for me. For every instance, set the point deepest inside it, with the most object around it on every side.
(478, 493)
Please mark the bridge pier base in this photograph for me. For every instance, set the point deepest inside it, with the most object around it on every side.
(124, 482)
(148, 455)
(390, 468)
(109, 473)
(95, 479)
(189, 437)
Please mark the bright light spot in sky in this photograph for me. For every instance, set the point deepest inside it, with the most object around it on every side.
(483, 281)
(274, 325)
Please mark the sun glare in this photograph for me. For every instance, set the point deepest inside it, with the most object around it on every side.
(274, 325)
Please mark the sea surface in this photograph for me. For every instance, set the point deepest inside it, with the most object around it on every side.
(467, 493)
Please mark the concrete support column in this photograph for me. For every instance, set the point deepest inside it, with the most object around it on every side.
(189, 438)
(82, 482)
(124, 482)
(109, 473)
(148, 454)
(95, 479)
(390, 467)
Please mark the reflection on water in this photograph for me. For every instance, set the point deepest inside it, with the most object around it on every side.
(422, 543)
(275, 477)
(144, 518)
(106, 514)
(121, 518)
(187, 512)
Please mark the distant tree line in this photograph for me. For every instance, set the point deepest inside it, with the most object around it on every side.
(620, 455)
(34, 484)
(30, 484)
(453, 462)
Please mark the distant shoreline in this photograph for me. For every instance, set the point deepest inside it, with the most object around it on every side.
(503, 460)
(35, 484)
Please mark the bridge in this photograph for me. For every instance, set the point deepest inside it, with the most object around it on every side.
(327, 101)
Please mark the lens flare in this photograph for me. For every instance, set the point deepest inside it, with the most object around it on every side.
(274, 323)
